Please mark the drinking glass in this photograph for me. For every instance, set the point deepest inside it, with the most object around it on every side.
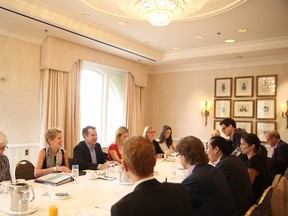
(53, 207)
(174, 170)
(75, 172)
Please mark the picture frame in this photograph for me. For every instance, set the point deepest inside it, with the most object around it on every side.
(217, 125)
(263, 127)
(266, 109)
(222, 108)
(243, 108)
(245, 125)
(243, 86)
(266, 86)
(223, 87)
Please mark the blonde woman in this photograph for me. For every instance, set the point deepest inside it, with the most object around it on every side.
(149, 133)
(115, 149)
(4, 161)
(52, 158)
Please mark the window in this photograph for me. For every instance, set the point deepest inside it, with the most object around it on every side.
(102, 96)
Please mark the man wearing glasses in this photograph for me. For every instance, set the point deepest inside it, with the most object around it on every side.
(280, 151)
(228, 127)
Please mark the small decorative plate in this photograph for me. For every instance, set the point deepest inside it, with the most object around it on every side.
(61, 196)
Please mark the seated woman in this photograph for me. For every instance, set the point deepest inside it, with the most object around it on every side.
(115, 149)
(4, 161)
(165, 140)
(235, 171)
(149, 133)
(52, 158)
(256, 163)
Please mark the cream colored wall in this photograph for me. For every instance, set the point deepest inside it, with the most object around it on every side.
(174, 98)
(19, 96)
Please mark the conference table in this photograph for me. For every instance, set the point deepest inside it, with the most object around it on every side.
(89, 197)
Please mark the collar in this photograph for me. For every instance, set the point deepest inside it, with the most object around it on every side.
(142, 180)
(190, 170)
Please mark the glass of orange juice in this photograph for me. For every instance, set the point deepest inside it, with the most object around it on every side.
(53, 208)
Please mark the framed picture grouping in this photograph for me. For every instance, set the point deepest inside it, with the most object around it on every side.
(243, 108)
(243, 86)
(266, 86)
(263, 127)
(222, 108)
(223, 87)
(266, 109)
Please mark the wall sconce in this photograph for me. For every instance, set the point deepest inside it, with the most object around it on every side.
(285, 113)
(3, 78)
(205, 110)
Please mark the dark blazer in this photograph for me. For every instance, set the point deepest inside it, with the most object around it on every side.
(280, 158)
(238, 179)
(158, 150)
(154, 199)
(209, 191)
(236, 139)
(82, 156)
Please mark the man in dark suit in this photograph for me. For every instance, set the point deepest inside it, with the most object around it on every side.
(280, 151)
(228, 127)
(149, 197)
(88, 153)
(207, 186)
(235, 172)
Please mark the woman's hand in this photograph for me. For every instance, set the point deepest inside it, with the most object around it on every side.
(63, 169)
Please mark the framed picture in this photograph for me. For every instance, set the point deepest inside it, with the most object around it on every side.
(266, 108)
(245, 125)
(266, 86)
(243, 108)
(222, 108)
(217, 125)
(223, 87)
(263, 127)
(244, 86)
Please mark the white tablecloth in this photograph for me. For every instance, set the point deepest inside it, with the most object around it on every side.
(92, 197)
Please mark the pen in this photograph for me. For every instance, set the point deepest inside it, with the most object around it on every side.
(166, 179)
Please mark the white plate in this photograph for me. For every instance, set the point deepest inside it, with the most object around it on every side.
(31, 208)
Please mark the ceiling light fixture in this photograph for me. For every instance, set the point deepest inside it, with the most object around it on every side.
(160, 12)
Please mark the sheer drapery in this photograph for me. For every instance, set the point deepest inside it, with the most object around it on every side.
(61, 104)
(135, 106)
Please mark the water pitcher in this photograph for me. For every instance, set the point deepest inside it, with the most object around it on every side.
(20, 195)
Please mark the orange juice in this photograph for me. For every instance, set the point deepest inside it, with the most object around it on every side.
(53, 210)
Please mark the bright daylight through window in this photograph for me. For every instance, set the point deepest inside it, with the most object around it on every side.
(102, 96)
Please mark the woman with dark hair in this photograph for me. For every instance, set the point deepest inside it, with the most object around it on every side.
(219, 151)
(257, 164)
(165, 139)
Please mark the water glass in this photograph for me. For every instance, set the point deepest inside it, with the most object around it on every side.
(174, 170)
(75, 171)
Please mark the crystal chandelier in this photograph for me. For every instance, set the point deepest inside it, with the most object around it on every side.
(160, 12)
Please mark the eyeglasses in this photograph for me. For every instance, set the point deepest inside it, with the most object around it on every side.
(223, 129)
(151, 131)
(269, 139)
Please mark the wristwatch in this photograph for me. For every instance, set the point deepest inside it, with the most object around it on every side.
(55, 169)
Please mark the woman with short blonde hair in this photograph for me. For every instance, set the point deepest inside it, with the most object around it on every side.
(4, 161)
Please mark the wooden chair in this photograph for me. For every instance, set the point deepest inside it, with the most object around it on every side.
(24, 170)
(264, 202)
(253, 211)
(276, 180)
(286, 173)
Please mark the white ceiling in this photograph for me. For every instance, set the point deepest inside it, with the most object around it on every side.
(266, 21)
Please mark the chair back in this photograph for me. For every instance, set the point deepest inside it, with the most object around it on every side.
(24, 170)
(264, 202)
(286, 173)
(253, 211)
(276, 180)
(279, 200)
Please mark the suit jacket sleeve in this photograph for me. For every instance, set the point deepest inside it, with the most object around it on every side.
(281, 160)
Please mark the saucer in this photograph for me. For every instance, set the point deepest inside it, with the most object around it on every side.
(31, 208)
